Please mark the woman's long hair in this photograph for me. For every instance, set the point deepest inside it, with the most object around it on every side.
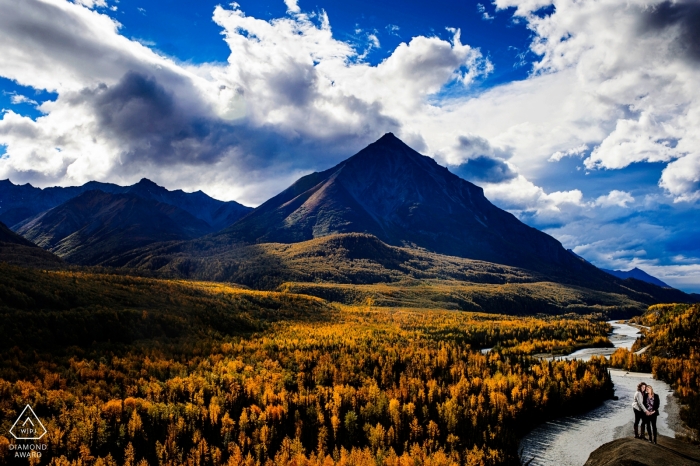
(639, 386)
(650, 389)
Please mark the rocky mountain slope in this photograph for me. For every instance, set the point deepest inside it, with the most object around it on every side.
(95, 226)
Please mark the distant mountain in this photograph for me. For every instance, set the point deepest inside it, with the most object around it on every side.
(94, 226)
(405, 199)
(20, 202)
(638, 274)
(16, 250)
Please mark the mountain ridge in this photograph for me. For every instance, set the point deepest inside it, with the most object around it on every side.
(94, 226)
(21, 202)
(637, 274)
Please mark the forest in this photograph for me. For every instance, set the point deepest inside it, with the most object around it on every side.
(210, 374)
(671, 334)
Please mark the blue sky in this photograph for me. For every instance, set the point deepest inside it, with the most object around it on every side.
(581, 118)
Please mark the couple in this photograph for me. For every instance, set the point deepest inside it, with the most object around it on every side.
(646, 408)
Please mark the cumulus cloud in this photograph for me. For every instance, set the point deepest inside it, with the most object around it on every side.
(21, 99)
(573, 152)
(615, 198)
(291, 98)
(638, 61)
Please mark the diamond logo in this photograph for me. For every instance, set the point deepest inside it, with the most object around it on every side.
(28, 426)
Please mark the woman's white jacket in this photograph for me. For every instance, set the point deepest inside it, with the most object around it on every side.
(639, 402)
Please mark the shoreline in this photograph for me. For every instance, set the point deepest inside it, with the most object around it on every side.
(569, 440)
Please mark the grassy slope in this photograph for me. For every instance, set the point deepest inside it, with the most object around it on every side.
(41, 309)
(349, 268)
(512, 298)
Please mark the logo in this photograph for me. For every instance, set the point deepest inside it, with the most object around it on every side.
(28, 426)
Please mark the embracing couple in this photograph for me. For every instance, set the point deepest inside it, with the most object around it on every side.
(646, 408)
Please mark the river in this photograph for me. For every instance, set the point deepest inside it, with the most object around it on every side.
(569, 441)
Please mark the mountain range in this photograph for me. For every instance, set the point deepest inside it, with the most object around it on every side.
(21, 202)
(94, 226)
(385, 215)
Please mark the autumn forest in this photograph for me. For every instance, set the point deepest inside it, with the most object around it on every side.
(140, 371)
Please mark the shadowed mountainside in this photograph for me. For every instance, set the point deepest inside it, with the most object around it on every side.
(95, 226)
(14, 249)
(21, 202)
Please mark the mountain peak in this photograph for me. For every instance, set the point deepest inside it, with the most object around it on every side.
(389, 140)
(389, 137)
(146, 182)
(404, 198)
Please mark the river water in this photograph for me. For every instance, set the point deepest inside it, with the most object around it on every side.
(570, 440)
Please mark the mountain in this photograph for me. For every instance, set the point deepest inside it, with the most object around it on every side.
(9, 236)
(405, 199)
(638, 274)
(16, 250)
(20, 202)
(390, 215)
(94, 226)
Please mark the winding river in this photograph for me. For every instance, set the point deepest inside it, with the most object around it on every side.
(570, 440)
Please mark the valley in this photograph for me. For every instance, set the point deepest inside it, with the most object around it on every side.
(381, 312)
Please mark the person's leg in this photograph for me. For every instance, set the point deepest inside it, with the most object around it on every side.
(642, 433)
(637, 418)
(652, 421)
(648, 421)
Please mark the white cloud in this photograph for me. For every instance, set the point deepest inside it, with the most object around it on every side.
(92, 3)
(292, 6)
(290, 97)
(21, 99)
(637, 62)
(522, 196)
(576, 151)
(615, 198)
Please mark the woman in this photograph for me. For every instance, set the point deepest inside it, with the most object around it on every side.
(651, 403)
(639, 408)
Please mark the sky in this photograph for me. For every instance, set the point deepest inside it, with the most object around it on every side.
(582, 118)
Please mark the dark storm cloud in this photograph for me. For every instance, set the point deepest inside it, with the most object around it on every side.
(683, 15)
(485, 169)
(482, 161)
(159, 126)
(153, 124)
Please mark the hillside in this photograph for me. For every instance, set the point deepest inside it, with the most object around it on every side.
(349, 268)
(21, 202)
(14, 249)
(52, 310)
(94, 226)
(412, 219)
